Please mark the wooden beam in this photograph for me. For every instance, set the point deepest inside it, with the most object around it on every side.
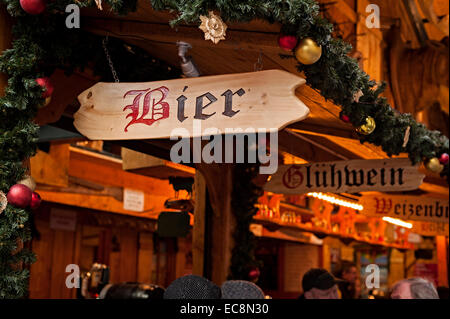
(435, 190)
(143, 164)
(163, 33)
(319, 130)
(52, 168)
(154, 204)
(198, 238)
(109, 172)
(147, 147)
(416, 21)
(114, 192)
(344, 8)
(442, 260)
(219, 180)
(291, 144)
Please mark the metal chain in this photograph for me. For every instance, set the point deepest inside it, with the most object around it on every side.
(108, 57)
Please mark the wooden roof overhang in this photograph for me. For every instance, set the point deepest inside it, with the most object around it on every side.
(320, 137)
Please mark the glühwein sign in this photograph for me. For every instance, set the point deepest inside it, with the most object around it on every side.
(346, 176)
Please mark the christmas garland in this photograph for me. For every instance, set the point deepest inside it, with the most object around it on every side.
(42, 43)
(244, 197)
(335, 75)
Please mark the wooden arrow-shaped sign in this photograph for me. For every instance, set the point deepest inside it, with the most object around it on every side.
(418, 208)
(259, 100)
(346, 177)
(430, 228)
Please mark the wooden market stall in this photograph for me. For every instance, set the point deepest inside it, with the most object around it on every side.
(296, 230)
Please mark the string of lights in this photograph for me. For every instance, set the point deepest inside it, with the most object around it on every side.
(397, 222)
(334, 200)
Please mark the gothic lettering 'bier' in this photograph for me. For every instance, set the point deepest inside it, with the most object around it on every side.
(346, 176)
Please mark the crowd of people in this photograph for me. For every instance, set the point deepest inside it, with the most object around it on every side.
(317, 283)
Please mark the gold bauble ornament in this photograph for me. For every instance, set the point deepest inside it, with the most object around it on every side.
(99, 4)
(214, 28)
(308, 51)
(3, 202)
(368, 128)
(434, 165)
(29, 182)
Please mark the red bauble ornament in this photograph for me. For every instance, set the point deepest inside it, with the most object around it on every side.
(35, 200)
(19, 195)
(253, 274)
(47, 85)
(33, 6)
(345, 118)
(287, 42)
(444, 159)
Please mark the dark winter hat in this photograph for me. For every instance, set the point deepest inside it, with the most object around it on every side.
(192, 287)
(319, 278)
(241, 289)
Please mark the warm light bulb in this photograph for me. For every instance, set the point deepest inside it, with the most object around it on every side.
(335, 200)
(397, 222)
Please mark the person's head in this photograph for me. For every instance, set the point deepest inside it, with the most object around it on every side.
(414, 288)
(443, 292)
(349, 272)
(192, 287)
(318, 283)
(241, 289)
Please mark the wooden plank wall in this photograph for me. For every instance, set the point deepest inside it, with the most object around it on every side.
(298, 259)
(54, 250)
(145, 253)
(130, 256)
(42, 268)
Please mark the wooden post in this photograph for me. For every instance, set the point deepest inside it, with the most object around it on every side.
(198, 238)
(442, 257)
(219, 180)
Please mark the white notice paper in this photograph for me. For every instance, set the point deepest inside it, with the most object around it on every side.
(133, 200)
(63, 219)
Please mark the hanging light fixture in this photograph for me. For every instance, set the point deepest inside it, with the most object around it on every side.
(188, 66)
